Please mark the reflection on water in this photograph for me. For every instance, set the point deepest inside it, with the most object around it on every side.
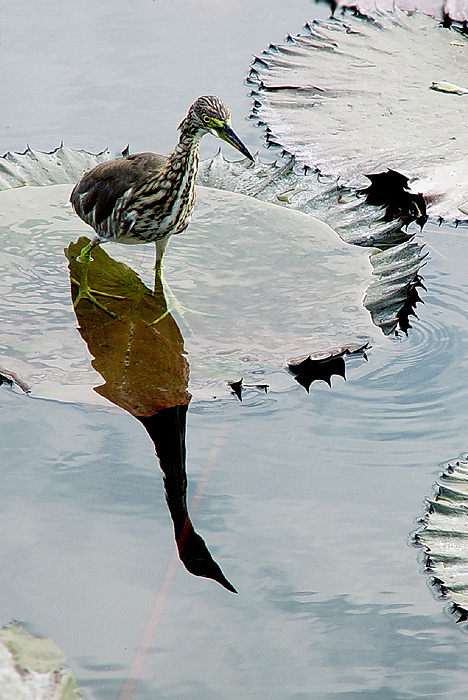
(322, 366)
(327, 495)
(139, 352)
(322, 488)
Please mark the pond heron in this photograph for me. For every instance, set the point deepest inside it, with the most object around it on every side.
(145, 197)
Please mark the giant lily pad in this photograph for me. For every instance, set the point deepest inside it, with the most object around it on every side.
(38, 168)
(284, 184)
(357, 96)
(270, 285)
(444, 537)
(448, 10)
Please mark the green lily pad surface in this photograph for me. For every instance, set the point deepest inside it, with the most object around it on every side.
(265, 285)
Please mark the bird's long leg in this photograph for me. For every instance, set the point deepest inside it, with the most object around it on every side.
(157, 273)
(85, 256)
(160, 246)
(84, 290)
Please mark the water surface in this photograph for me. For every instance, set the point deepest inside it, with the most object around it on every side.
(308, 499)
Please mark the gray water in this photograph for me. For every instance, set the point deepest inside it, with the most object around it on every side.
(104, 74)
(308, 500)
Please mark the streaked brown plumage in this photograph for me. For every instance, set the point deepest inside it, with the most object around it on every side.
(148, 197)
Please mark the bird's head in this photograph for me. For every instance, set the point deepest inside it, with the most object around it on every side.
(210, 115)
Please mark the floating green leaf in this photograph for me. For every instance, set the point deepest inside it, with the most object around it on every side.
(143, 362)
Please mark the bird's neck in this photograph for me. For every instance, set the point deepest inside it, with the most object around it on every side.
(183, 160)
(176, 183)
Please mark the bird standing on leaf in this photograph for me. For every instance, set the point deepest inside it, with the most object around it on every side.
(146, 197)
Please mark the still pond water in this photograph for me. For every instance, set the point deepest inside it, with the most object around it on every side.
(307, 501)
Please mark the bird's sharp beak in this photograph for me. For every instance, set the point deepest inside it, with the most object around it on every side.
(228, 135)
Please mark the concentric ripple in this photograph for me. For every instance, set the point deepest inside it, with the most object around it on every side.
(413, 392)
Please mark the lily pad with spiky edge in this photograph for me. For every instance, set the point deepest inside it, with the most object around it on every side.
(450, 12)
(353, 96)
(286, 184)
(443, 536)
(265, 283)
(40, 168)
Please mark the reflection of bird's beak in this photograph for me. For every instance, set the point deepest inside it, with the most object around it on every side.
(227, 134)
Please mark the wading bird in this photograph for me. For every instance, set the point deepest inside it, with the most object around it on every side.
(145, 197)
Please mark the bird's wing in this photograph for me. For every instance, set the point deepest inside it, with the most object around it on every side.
(97, 193)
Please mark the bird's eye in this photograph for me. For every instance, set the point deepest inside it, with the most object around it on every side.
(206, 118)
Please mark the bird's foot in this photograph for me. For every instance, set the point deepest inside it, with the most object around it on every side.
(180, 310)
(173, 304)
(84, 257)
(85, 292)
(175, 308)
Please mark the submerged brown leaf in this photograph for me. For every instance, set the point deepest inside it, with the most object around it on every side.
(143, 365)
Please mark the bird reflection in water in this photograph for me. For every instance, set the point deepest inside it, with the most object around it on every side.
(146, 372)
